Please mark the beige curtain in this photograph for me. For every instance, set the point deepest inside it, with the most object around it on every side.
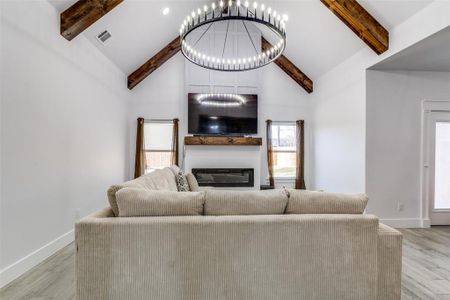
(270, 158)
(300, 157)
(175, 148)
(140, 161)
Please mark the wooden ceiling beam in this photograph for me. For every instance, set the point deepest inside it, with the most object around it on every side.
(83, 14)
(290, 68)
(173, 47)
(154, 63)
(361, 23)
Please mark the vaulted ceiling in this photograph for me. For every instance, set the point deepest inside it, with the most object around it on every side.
(316, 42)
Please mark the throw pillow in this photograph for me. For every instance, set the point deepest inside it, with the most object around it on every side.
(135, 202)
(182, 182)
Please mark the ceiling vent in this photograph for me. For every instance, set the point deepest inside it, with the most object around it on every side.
(104, 36)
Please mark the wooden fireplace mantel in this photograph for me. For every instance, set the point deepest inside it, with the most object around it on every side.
(222, 141)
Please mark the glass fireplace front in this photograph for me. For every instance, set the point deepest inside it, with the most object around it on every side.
(224, 177)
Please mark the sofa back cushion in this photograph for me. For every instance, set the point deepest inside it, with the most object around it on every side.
(137, 202)
(158, 180)
(221, 202)
(310, 202)
(192, 181)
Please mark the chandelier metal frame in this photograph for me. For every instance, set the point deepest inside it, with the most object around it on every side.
(233, 11)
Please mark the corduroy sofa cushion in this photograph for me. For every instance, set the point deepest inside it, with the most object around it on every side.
(158, 180)
(192, 181)
(311, 202)
(136, 202)
(221, 202)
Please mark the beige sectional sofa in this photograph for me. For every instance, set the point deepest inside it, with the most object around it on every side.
(157, 243)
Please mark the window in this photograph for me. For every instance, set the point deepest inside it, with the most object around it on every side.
(284, 149)
(157, 144)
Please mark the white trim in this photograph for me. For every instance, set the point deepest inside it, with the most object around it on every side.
(24, 264)
(282, 179)
(405, 223)
(433, 105)
(426, 223)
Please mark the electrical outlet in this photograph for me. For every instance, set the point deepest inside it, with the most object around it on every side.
(77, 214)
(400, 206)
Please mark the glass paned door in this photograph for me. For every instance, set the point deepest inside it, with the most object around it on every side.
(442, 166)
(439, 173)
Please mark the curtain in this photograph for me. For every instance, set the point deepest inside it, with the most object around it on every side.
(140, 161)
(300, 157)
(270, 157)
(174, 151)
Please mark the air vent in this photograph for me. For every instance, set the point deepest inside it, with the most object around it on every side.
(104, 36)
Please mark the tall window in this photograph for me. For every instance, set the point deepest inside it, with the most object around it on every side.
(284, 149)
(158, 144)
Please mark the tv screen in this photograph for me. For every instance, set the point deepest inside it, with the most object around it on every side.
(222, 114)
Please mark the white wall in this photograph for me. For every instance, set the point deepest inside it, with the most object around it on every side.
(63, 133)
(393, 139)
(339, 130)
(339, 105)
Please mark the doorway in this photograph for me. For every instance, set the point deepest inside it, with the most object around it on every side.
(437, 165)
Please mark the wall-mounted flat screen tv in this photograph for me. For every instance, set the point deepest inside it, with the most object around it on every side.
(222, 114)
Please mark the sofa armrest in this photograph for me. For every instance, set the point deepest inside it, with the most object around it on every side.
(389, 263)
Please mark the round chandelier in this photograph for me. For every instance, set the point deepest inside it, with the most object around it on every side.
(200, 22)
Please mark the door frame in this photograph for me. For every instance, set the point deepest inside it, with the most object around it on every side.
(428, 107)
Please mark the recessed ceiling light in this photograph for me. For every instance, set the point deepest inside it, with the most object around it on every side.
(166, 11)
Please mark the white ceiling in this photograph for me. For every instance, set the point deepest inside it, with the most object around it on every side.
(430, 54)
(316, 39)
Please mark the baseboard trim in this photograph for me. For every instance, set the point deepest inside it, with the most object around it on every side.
(24, 264)
(403, 223)
(426, 223)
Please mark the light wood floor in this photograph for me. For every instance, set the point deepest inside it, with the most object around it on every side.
(426, 270)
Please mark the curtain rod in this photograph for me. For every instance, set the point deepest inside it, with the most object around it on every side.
(158, 120)
(283, 122)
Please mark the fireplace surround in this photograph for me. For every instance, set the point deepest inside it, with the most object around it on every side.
(224, 177)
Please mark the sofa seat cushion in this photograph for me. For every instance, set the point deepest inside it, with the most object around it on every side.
(311, 202)
(158, 180)
(225, 202)
(136, 202)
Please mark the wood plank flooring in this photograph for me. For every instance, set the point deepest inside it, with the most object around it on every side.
(426, 270)
(426, 263)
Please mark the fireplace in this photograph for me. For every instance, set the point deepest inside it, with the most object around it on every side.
(225, 177)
